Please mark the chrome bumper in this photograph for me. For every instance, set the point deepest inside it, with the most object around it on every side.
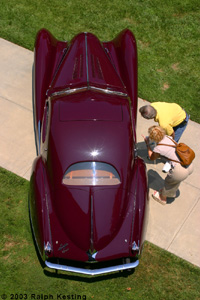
(92, 272)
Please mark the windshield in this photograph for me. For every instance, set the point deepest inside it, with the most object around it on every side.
(91, 173)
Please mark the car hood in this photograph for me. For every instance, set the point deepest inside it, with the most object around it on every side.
(91, 217)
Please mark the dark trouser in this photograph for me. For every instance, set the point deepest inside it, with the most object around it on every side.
(179, 129)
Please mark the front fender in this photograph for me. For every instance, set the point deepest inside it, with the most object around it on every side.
(141, 207)
(40, 207)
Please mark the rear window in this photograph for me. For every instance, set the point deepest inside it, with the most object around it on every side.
(91, 173)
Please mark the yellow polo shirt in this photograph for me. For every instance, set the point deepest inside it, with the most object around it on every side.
(168, 115)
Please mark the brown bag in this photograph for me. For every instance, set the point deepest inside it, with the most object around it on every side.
(184, 153)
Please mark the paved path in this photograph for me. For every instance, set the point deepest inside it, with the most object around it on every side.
(174, 227)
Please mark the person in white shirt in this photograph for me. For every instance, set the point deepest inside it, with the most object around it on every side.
(177, 172)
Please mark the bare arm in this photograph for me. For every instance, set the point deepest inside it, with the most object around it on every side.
(152, 155)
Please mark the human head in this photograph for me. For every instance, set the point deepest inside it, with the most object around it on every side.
(148, 112)
(156, 133)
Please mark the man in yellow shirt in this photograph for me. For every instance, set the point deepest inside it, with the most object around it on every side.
(170, 116)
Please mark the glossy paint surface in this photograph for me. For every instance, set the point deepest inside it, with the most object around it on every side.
(86, 63)
(86, 103)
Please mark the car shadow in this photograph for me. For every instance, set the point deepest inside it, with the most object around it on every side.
(42, 264)
(85, 278)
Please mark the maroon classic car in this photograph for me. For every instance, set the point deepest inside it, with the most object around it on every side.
(88, 197)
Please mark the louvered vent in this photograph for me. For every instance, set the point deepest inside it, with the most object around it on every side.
(96, 67)
(78, 67)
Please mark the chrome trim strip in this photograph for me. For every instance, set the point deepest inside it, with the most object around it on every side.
(47, 206)
(92, 225)
(107, 91)
(92, 272)
(39, 136)
(68, 91)
(84, 88)
(86, 57)
(48, 214)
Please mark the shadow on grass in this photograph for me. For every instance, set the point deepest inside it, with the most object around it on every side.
(42, 264)
(57, 274)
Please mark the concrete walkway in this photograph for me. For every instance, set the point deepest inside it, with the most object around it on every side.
(174, 227)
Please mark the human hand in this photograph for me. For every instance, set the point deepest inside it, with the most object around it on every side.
(146, 139)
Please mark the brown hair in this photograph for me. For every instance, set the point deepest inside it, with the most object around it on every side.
(156, 133)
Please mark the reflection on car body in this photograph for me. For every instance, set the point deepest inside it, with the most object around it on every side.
(88, 190)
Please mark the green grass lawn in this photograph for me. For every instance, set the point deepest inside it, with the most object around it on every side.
(160, 275)
(168, 42)
(167, 33)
